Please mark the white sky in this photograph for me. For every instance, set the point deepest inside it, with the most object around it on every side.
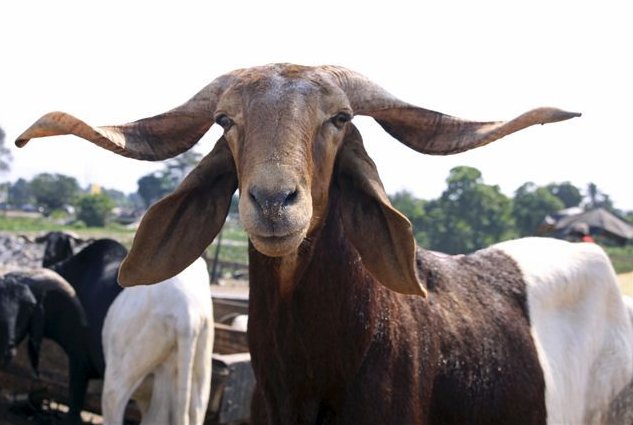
(118, 61)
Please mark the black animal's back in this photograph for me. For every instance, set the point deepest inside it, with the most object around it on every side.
(93, 273)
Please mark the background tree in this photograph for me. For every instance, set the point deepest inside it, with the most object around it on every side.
(568, 194)
(414, 209)
(469, 214)
(95, 209)
(128, 202)
(530, 206)
(152, 187)
(5, 154)
(5, 162)
(20, 193)
(54, 191)
(598, 199)
(177, 168)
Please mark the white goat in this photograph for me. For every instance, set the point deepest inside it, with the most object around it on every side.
(580, 326)
(621, 409)
(157, 342)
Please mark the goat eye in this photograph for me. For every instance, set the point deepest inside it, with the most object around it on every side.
(340, 119)
(224, 121)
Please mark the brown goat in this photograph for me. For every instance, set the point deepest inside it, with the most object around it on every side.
(340, 330)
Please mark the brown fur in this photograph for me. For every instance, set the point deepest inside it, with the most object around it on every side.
(342, 349)
(331, 343)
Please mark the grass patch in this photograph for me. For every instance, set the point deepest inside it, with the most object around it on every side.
(234, 239)
(621, 257)
(35, 225)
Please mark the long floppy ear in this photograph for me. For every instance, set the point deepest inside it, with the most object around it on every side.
(380, 233)
(155, 138)
(177, 229)
(428, 131)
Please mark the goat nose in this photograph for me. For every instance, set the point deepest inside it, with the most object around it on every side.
(272, 201)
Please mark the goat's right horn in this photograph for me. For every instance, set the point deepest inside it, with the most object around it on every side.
(159, 137)
(428, 131)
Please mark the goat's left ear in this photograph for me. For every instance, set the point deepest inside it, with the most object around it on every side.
(177, 229)
(381, 234)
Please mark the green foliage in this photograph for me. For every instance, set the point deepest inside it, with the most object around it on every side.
(94, 210)
(9, 223)
(414, 209)
(152, 187)
(5, 154)
(598, 199)
(35, 225)
(20, 193)
(568, 194)
(530, 206)
(156, 185)
(177, 168)
(469, 214)
(621, 257)
(54, 191)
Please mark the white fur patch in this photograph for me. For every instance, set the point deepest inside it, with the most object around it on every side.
(581, 328)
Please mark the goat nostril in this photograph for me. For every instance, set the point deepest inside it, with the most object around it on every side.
(273, 199)
(291, 197)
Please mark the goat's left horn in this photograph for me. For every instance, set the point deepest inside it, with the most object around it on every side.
(155, 138)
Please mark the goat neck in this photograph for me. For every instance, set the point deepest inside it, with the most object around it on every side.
(314, 330)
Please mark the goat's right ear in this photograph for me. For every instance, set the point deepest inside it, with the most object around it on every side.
(177, 229)
(381, 234)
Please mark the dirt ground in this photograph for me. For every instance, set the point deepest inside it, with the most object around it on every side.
(20, 410)
(24, 412)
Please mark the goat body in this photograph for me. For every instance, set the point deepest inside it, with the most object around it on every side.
(58, 315)
(342, 344)
(167, 351)
(58, 246)
(17, 302)
(92, 272)
(497, 339)
(339, 330)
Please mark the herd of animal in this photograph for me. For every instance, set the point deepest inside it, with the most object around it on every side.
(163, 362)
(350, 322)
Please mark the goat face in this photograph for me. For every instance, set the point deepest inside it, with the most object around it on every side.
(58, 247)
(17, 304)
(287, 138)
(283, 131)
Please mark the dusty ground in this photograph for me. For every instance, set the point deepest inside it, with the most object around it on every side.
(24, 412)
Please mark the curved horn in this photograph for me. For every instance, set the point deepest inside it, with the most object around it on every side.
(155, 138)
(428, 131)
